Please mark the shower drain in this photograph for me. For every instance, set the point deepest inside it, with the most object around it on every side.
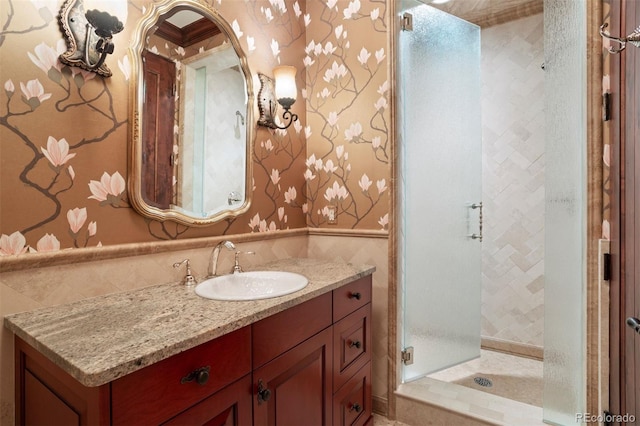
(483, 381)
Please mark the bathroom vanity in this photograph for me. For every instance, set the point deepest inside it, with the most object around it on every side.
(163, 355)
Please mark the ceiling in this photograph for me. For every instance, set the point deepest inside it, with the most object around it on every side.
(486, 13)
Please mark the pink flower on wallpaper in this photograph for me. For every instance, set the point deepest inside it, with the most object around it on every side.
(384, 221)
(267, 14)
(279, 6)
(305, 208)
(275, 176)
(329, 167)
(353, 9)
(290, 195)
(235, 26)
(48, 243)
(382, 185)
(34, 90)
(9, 87)
(332, 120)
(255, 221)
(86, 75)
(296, 9)
(57, 152)
(336, 71)
(329, 48)
(307, 132)
(268, 145)
(92, 228)
(375, 142)
(339, 151)
(375, 14)
(72, 173)
(275, 47)
(331, 4)
(380, 55)
(12, 244)
(336, 191)
(383, 88)
(364, 56)
(46, 57)
(281, 214)
(380, 104)
(353, 132)
(307, 20)
(251, 44)
(76, 218)
(308, 175)
(108, 185)
(365, 183)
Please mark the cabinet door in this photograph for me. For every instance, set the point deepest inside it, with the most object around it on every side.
(352, 403)
(228, 407)
(296, 387)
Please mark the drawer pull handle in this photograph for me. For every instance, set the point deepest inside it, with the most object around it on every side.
(355, 344)
(200, 376)
(264, 394)
(355, 407)
(355, 295)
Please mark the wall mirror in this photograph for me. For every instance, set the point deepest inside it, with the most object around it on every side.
(192, 116)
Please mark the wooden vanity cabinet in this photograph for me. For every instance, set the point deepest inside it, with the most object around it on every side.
(307, 365)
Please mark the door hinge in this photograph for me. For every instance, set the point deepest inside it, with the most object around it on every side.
(606, 106)
(407, 22)
(407, 355)
(606, 266)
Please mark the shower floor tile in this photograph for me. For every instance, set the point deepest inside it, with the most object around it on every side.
(512, 377)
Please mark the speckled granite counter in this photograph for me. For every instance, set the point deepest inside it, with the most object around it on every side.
(100, 339)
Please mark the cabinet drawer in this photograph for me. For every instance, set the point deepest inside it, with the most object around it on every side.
(158, 392)
(350, 297)
(352, 403)
(351, 345)
(282, 331)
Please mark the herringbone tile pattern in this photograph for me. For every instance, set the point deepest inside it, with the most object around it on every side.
(513, 181)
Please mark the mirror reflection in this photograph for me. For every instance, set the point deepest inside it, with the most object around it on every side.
(191, 158)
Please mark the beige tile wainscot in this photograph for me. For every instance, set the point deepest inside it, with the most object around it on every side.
(162, 354)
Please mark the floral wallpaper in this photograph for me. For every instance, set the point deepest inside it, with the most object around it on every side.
(64, 131)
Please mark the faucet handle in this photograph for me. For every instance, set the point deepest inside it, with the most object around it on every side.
(236, 266)
(189, 279)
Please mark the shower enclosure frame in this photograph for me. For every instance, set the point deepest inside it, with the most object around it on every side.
(595, 387)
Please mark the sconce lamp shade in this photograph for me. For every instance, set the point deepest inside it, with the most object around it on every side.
(286, 91)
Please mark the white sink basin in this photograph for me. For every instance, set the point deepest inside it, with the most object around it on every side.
(251, 285)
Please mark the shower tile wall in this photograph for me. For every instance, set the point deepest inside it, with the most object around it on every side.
(513, 181)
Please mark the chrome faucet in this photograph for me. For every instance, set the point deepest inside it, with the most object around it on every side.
(213, 261)
(189, 279)
(236, 267)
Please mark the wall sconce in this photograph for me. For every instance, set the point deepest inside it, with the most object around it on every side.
(283, 90)
(89, 35)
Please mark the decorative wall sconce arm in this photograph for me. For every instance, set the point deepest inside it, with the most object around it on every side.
(89, 36)
(284, 90)
(633, 38)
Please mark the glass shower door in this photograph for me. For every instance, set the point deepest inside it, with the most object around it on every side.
(440, 149)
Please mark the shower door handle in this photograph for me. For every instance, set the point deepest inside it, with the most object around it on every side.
(477, 236)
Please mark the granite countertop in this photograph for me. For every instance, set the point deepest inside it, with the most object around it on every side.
(103, 338)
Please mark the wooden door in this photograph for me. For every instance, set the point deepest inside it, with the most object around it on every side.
(157, 129)
(625, 227)
(295, 388)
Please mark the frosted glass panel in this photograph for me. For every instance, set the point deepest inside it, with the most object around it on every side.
(440, 145)
(565, 106)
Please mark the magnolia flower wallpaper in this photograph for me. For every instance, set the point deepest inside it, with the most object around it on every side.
(64, 131)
